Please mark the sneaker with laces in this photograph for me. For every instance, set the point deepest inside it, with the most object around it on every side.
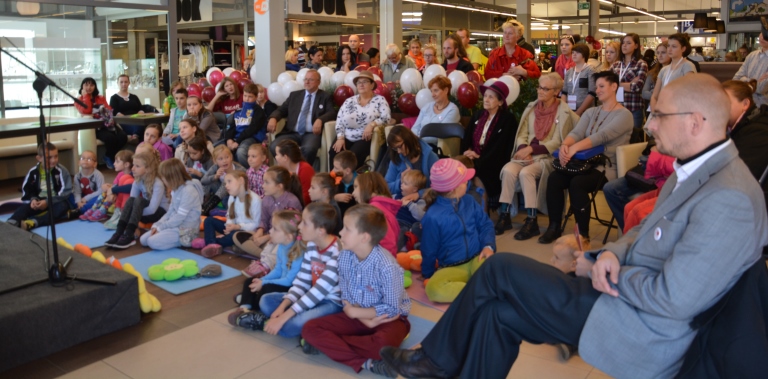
(307, 348)
(113, 240)
(98, 216)
(232, 317)
(253, 320)
(383, 369)
(255, 270)
(85, 215)
(125, 241)
(211, 250)
(198, 243)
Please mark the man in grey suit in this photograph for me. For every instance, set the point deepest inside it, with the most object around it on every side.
(307, 112)
(631, 317)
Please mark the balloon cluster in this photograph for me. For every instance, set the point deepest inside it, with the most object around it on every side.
(206, 87)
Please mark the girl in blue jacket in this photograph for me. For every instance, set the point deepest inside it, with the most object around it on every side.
(457, 234)
(284, 232)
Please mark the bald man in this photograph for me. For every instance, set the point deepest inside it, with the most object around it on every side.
(630, 317)
(354, 43)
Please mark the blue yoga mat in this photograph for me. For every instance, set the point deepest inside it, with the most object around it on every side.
(419, 329)
(5, 217)
(91, 234)
(143, 261)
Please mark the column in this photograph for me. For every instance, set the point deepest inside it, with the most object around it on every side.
(391, 20)
(269, 26)
(524, 16)
(594, 17)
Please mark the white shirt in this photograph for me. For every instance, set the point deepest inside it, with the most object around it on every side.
(686, 171)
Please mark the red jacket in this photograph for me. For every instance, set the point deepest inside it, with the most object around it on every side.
(390, 208)
(499, 62)
(306, 172)
(88, 110)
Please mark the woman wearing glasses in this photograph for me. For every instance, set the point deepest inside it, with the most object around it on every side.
(609, 125)
(407, 152)
(430, 58)
(543, 127)
(358, 117)
(96, 106)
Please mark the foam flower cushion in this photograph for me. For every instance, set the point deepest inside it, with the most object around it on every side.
(173, 269)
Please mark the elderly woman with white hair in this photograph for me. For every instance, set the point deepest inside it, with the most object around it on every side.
(544, 125)
(395, 64)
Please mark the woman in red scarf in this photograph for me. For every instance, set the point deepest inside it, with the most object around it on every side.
(565, 61)
(544, 124)
(96, 106)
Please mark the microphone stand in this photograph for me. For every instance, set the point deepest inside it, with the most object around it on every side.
(57, 273)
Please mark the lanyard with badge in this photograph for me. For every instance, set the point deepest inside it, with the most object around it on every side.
(620, 92)
(572, 95)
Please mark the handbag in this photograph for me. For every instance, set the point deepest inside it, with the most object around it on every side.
(637, 180)
(581, 162)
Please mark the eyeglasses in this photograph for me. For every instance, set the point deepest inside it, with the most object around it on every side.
(363, 81)
(660, 115)
(428, 55)
(398, 147)
(540, 88)
(87, 159)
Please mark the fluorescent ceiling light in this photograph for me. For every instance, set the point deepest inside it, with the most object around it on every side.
(411, 20)
(479, 34)
(416, 1)
(443, 5)
(120, 43)
(465, 8)
(608, 31)
(606, 2)
(539, 28)
(412, 13)
(17, 33)
(508, 14)
(645, 13)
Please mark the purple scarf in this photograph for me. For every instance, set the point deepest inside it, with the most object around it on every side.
(481, 124)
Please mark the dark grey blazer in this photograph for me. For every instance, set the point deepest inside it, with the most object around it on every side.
(321, 109)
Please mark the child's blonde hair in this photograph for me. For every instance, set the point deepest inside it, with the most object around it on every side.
(262, 150)
(221, 149)
(173, 173)
(288, 221)
(146, 147)
(237, 175)
(152, 161)
(569, 241)
(415, 178)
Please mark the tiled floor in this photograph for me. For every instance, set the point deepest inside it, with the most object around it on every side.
(190, 337)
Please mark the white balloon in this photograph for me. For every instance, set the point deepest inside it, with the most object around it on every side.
(514, 88)
(325, 76)
(283, 78)
(300, 76)
(290, 87)
(432, 72)
(275, 93)
(348, 80)
(457, 78)
(218, 86)
(227, 71)
(377, 78)
(293, 74)
(337, 79)
(253, 74)
(423, 98)
(410, 81)
(208, 73)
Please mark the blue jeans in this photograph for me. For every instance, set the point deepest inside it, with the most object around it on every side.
(618, 194)
(292, 328)
(138, 130)
(242, 151)
(89, 204)
(211, 226)
(638, 116)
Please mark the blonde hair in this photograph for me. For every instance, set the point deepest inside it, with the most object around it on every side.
(616, 45)
(415, 178)
(173, 173)
(554, 78)
(152, 160)
(289, 54)
(569, 241)
(519, 28)
(434, 52)
(221, 149)
(237, 175)
(288, 220)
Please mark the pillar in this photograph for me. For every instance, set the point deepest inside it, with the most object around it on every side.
(524, 16)
(594, 17)
(391, 21)
(269, 26)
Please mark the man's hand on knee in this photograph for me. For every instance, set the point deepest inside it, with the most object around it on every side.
(607, 264)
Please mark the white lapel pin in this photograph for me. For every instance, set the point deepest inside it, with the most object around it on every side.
(657, 234)
(321, 106)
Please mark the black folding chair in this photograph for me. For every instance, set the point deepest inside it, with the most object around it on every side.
(442, 131)
(595, 216)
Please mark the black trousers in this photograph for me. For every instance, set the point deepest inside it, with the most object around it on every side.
(253, 298)
(113, 141)
(579, 187)
(510, 299)
(362, 150)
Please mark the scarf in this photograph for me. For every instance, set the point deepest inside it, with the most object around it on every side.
(480, 125)
(545, 118)
(563, 63)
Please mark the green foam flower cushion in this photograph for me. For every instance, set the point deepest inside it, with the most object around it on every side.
(173, 269)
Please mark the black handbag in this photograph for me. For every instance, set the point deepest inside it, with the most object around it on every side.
(578, 166)
(637, 180)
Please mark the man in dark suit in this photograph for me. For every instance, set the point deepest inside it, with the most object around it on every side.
(307, 112)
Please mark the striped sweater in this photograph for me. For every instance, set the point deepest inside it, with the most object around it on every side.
(318, 278)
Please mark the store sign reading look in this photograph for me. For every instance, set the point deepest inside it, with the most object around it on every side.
(336, 8)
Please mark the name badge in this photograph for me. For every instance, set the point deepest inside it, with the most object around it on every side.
(620, 95)
(572, 102)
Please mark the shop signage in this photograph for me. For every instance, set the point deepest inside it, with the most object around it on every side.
(193, 11)
(260, 7)
(583, 5)
(334, 8)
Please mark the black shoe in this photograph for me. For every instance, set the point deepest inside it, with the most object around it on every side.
(504, 223)
(411, 363)
(252, 320)
(208, 206)
(125, 241)
(565, 352)
(529, 229)
(552, 233)
(307, 348)
(113, 240)
(383, 369)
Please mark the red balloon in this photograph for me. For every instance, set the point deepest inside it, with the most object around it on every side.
(242, 83)
(203, 82)
(391, 86)
(376, 71)
(383, 90)
(236, 75)
(360, 68)
(474, 77)
(467, 94)
(208, 94)
(216, 78)
(341, 94)
(192, 87)
(407, 104)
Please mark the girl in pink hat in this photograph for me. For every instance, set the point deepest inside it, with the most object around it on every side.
(457, 234)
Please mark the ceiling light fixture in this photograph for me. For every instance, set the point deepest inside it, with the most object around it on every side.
(608, 31)
(645, 13)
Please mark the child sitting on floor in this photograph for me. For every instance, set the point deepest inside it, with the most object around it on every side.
(457, 233)
(214, 178)
(244, 213)
(564, 253)
(323, 189)
(181, 223)
(257, 167)
(344, 164)
(199, 159)
(188, 129)
(34, 194)
(108, 199)
(284, 232)
(371, 188)
(476, 189)
(152, 137)
(413, 205)
(376, 306)
(87, 182)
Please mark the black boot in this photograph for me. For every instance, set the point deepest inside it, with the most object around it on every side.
(529, 229)
(553, 232)
(504, 223)
(211, 203)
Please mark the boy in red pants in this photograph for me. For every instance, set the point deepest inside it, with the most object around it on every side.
(375, 303)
